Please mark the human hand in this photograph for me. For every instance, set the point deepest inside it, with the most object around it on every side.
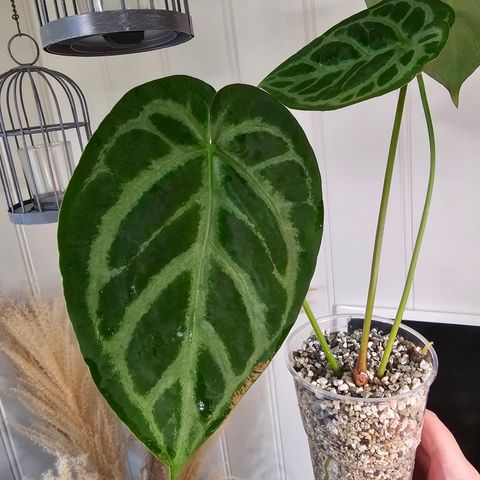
(439, 457)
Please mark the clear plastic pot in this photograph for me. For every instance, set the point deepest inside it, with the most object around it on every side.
(361, 438)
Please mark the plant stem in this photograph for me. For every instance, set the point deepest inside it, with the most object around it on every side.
(362, 356)
(323, 343)
(420, 234)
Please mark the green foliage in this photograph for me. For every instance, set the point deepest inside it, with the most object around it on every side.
(461, 55)
(369, 54)
(188, 237)
(189, 232)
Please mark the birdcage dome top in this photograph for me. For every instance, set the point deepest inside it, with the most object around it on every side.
(35, 99)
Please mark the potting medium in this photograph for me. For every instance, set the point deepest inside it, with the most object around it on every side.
(360, 433)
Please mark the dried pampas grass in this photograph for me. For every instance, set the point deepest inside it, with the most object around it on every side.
(71, 419)
(67, 468)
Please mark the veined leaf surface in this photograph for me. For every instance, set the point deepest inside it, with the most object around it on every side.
(188, 237)
(369, 54)
(461, 55)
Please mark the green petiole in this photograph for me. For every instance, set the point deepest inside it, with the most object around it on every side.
(420, 234)
(362, 356)
(321, 338)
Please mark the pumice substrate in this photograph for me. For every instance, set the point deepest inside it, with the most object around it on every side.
(360, 433)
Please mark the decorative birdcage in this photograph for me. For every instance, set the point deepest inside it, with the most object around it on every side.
(44, 126)
(112, 27)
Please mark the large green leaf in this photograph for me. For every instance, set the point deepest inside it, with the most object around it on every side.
(461, 55)
(188, 237)
(369, 54)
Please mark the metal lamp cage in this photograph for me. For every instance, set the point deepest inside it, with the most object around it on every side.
(44, 126)
(112, 27)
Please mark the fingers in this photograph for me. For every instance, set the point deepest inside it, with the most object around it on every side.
(439, 455)
(437, 440)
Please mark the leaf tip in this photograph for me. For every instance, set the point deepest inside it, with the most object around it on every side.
(455, 96)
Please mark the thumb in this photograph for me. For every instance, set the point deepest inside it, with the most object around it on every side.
(439, 453)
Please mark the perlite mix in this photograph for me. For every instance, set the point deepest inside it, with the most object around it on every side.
(360, 433)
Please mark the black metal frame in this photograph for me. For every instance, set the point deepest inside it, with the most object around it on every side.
(38, 106)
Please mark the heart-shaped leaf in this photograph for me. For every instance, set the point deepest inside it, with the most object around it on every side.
(369, 54)
(188, 237)
(461, 55)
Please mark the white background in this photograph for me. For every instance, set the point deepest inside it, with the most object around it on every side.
(242, 42)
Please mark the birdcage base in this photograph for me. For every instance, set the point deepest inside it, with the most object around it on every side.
(29, 215)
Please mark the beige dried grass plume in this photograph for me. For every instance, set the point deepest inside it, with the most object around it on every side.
(67, 468)
(71, 419)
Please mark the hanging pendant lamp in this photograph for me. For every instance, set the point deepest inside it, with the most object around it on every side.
(88, 28)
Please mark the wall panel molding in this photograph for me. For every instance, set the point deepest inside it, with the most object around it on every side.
(405, 150)
(276, 422)
(309, 20)
(231, 40)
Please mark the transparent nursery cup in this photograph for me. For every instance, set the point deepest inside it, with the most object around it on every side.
(361, 438)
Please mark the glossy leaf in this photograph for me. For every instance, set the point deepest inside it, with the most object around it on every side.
(188, 237)
(369, 54)
(461, 55)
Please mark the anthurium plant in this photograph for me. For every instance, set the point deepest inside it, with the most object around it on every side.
(189, 233)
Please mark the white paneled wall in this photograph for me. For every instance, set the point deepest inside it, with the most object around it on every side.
(242, 42)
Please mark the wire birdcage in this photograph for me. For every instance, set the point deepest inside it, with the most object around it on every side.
(112, 27)
(44, 126)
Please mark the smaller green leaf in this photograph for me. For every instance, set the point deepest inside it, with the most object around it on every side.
(461, 55)
(369, 54)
